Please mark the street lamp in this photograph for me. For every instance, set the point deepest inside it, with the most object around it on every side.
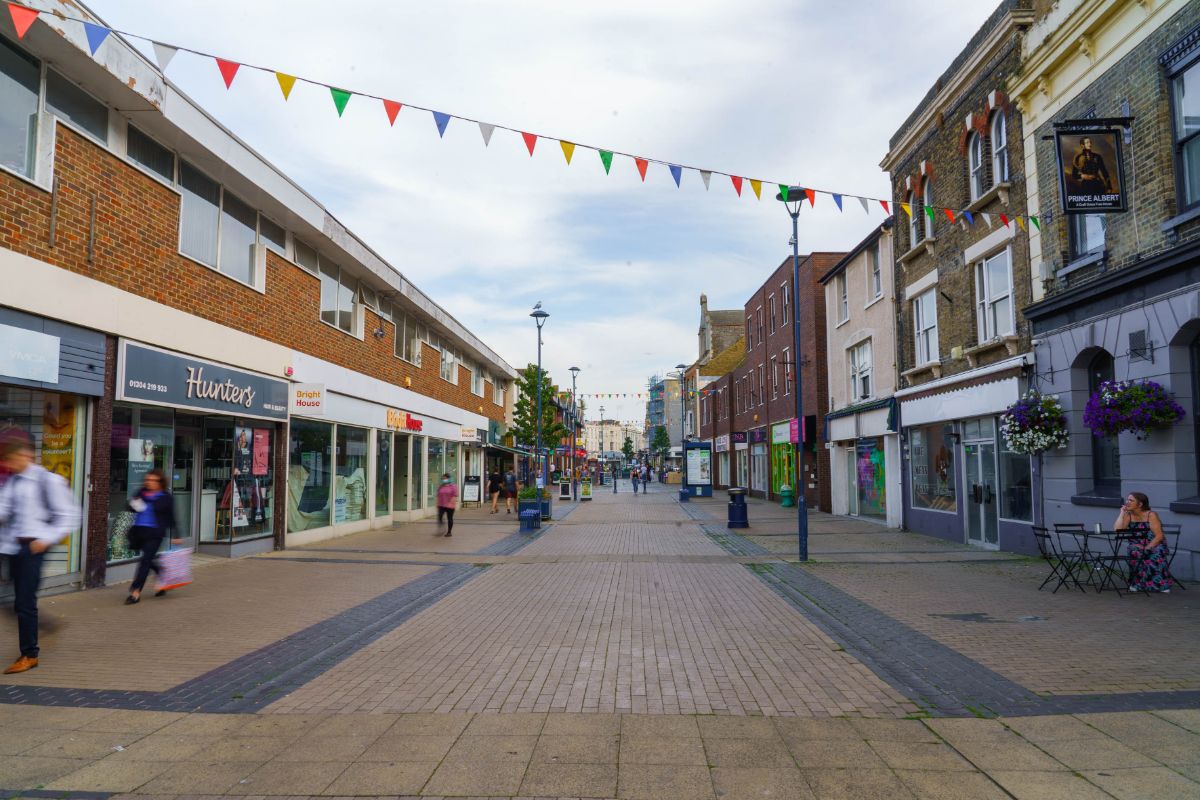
(683, 490)
(574, 445)
(792, 198)
(539, 317)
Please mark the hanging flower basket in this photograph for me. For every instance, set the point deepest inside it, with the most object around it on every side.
(1134, 406)
(1034, 424)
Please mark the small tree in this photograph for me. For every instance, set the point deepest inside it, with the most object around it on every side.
(525, 429)
(660, 443)
(627, 449)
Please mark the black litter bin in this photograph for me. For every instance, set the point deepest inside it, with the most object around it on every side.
(531, 519)
(738, 516)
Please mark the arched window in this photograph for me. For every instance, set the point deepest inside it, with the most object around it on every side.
(999, 149)
(916, 232)
(927, 200)
(1106, 454)
(975, 163)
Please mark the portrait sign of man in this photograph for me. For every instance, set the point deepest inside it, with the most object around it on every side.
(1090, 171)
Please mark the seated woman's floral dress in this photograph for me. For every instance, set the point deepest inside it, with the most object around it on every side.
(1147, 565)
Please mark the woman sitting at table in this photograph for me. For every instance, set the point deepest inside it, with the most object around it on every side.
(1148, 553)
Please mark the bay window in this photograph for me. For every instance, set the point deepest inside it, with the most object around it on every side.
(993, 297)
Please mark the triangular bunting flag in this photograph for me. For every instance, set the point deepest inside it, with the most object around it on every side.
(676, 173)
(340, 98)
(866, 206)
(163, 53)
(530, 141)
(95, 36)
(837, 198)
(970, 217)
(929, 212)
(568, 151)
(1004, 219)
(441, 120)
(907, 209)
(392, 108)
(641, 165)
(986, 218)
(606, 157)
(812, 197)
(757, 187)
(783, 191)
(22, 18)
(1021, 223)
(1035, 222)
(228, 70)
(706, 176)
(949, 214)
(737, 184)
(486, 130)
(286, 82)
(883, 203)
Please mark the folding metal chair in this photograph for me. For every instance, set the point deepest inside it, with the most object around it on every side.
(1115, 563)
(1171, 535)
(1072, 543)
(1060, 565)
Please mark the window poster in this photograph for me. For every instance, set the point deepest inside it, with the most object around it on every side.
(262, 452)
(243, 456)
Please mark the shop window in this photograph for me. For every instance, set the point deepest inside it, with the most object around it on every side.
(383, 472)
(925, 327)
(434, 466)
(1186, 100)
(402, 463)
(142, 439)
(869, 487)
(350, 485)
(1016, 485)
(843, 293)
(452, 466)
(1085, 234)
(73, 105)
(238, 472)
(993, 297)
(151, 155)
(758, 467)
(20, 85)
(1106, 452)
(1194, 353)
(999, 148)
(859, 359)
(931, 467)
(975, 165)
(310, 475)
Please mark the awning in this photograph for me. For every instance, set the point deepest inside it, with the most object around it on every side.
(506, 449)
(888, 402)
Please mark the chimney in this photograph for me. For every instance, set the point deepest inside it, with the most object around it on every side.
(703, 303)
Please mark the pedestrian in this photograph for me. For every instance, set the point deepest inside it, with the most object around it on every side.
(646, 478)
(510, 490)
(633, 478)
(447, 500)
(1148, 552)
(154, 517)
(614, 478)
(37, 512)
(495, 489)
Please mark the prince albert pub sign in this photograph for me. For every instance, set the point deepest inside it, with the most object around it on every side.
(1091, 168)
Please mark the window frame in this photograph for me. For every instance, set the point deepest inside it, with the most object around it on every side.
(771, 306)
(843, 300)
(172, 181)
(783, 288)
(256, 272)
(750, 331)
(1175, 74)
(762, 384)
(33, 134)
(926, 332)
(975, 166)
(75, 126)
(477, 377)
(1000, 153)
(874, 272)
(355, 303)
(987, 328)
(1108, 485)
(1077, 223)
(448, 365)
(774, 377)
(916, 231)
(858, 364)
(787, 371)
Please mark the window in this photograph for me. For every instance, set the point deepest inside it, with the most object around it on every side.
(1086, 234)
(843, 297)
(1016, 484)
(750, 332)
(310, 474)
(71, 104)
(993, 297)
(762, 384)
(350, 495)
(975, 164)
(498, 393)
(477, 380)
(151, 155)
(925, 326)
(1186, 91)
(876, 277)
(20, 86)
(787, 371)
(306, 257)
(339, 295)
(409, 336)
(772, 307)
(927, 199)
(774, 378)
(916, 233)
(449, 366)
(931, 467)
(273, 236)
(239, 234)
(761, 338)
(783, 290)
(215, 227)
(860, 371)
(999, 149)
(1106, 453)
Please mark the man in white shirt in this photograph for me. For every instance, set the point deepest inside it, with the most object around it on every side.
(37, 512)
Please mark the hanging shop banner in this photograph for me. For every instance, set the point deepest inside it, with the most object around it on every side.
(1090, 170)
(149, 375)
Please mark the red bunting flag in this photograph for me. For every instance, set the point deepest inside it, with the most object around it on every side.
(885, 206)
(1004, 219)
(22, 18)
(530, 141)
(737, 184)
(949, 214)
(228, 70)
(641, 165)
(392, 108)
(812, 197)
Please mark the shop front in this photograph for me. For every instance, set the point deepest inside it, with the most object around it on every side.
(214, 431)
(783, 457)
(760, 475)
(741, 458)
(865, 461)
(51, 375)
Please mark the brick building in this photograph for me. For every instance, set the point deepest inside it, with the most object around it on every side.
(716, 410)
(291, 383)
(1118, 295)
(963, 348)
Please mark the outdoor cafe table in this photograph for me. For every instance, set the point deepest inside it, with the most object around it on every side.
(1100, 553)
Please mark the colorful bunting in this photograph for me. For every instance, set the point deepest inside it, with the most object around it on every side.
(340, 98)
(676, 173)
(986, 218)
(812, 197)
(568, 151)
(866, 206)
(929, 212)
(757, 187)
(837, 198)
(441, 120)
(949, 214)
(286, 82)
(163, 53)
(783, 191)
(606, 157)
(95, 36)
(22, 18)
(737, 184)
(883, 203)
(530, 141)
(641, 166)
(229, 69)
(1035, 222)
(1020, 223)
(970, 218)
(1004, 219)
(706, 176)
(486, 130)
(907, 209)
(393, 108)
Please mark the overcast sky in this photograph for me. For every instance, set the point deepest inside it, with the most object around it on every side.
(805, 91)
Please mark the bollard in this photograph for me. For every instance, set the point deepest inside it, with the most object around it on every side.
(738, 517)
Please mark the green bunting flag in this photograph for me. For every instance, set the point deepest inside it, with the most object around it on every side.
(783, 192)
(340, 98)
(606, 157)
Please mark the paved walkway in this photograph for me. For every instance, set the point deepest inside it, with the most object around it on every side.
(633, 649)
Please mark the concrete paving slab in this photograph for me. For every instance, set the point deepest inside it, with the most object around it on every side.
(959, 786)
(203, 777)
(110, 775)
(663, 751)
(289, 778)
(1042, 785)
(655, 782)
(382, 778)
(1017, 755)
(1159, 783)
(738, 783)
(492, 749)
(856, 784)
(576, 750)
(639, 726)
(1088, 754)
(32, 772)
(83, 744)
(570, 780)
(465, 778)
(582, 725)
(759, 753)
(409, 748)
(836, 754)
(925, 756)
(422, 724)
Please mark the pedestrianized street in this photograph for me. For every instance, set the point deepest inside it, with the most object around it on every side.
(633, 648)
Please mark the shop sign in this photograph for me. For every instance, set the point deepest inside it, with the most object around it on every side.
(150, 375)
(1090, 168)
(738, 437)
(308, 399)
(758, 435)
(403, 421)
(28, 355)
(721, 444)
(781, 433)
(794, 432)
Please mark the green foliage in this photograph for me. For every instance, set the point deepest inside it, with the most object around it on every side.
(525, 413)
(627, 448)
(661, 441)
(527, 493)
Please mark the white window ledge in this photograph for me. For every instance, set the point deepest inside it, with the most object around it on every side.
(984, 200)
(934, 368)
(1009, 343)
(925, 245)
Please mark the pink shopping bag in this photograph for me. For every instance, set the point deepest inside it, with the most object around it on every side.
(175, 569)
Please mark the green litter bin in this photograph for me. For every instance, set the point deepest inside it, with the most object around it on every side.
(787, 497)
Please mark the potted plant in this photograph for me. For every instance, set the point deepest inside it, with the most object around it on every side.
(1137, 407)
(1034, 424)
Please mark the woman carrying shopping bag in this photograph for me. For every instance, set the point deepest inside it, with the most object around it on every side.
(154, 515)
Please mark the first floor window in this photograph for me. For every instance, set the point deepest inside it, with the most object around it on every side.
(449, 366)
(876, 287)
(1186, 88)
(20, 86)
(843, 298)
(216, 227)
(1085, 233)
(999, 149)
(70, 103)
(975, 154)
(150, 154)
(993, 297)
(931, 467)
(477, 380)
(339, 293)
(498, 393)
(925, 326)
(860, 371)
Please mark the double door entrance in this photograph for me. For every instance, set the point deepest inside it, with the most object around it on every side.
(982, 484)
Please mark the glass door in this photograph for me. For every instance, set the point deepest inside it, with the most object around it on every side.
(183, 483)
(982, 506)
(400, 473)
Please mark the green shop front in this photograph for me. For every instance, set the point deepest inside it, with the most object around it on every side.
(783, 457)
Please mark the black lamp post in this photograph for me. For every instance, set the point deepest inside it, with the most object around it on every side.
(792, 199)
(539, 317)
(574, 444)
(683, 484)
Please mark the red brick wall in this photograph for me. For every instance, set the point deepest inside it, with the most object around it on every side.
(136, 249)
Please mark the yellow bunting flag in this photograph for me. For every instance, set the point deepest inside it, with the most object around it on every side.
(1020, 223)
(757, 187)
(568, 150)
(286, 82)
(907, 208)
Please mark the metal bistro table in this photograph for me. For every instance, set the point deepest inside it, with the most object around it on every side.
(1103, 554)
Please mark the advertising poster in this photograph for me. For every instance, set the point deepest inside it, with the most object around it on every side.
(58, 437)
(141, 461)
(242, 454)
(1090, 170)
(262, 452)
(699, 466)
(585, 490)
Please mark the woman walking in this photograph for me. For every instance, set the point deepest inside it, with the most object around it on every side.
(1148, 552)
(495, 487)
(447, 499)
(154, 510)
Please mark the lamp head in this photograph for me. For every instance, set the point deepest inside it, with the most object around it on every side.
(574, 370)
(792, 199)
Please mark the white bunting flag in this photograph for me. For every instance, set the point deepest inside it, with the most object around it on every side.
(164, 53)
(486, 130)
(705, 176)
(986, 218)
(865, 206)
